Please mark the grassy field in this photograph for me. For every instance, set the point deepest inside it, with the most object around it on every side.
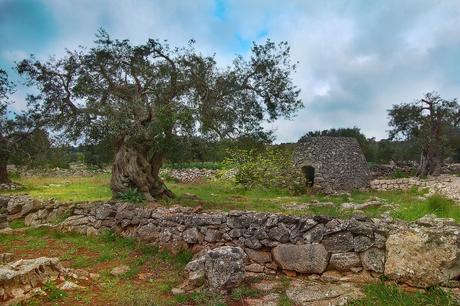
(406, 205)
(153, 272)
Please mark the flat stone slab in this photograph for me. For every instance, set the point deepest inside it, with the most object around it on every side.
(306, 258)
(322, 294)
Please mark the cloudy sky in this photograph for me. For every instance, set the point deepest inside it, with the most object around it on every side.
(356, 58)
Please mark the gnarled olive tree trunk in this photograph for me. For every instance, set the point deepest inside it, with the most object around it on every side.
(430, 163)
(4, 155)
(132, 169)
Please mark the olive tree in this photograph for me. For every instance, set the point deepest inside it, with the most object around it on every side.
(18, 131)
(145, 96)
(426, 122)
(6, 125)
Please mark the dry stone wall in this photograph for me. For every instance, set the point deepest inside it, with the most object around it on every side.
(397, 184)
(273, 243)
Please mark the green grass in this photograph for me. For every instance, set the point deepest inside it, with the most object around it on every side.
(436, 204)
(244, 292)
(390, 295)
(53, 293)
(100, 254)
(66, 189)
(221, 195)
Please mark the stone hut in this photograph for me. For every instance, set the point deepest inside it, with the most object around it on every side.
(332, 164)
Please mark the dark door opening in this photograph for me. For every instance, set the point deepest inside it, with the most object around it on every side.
(309, 174)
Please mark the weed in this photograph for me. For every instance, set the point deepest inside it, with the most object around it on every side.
(243, 292)
(53, 292)
(284, 300)
(381, 294)
(18, 223)
(132, 195)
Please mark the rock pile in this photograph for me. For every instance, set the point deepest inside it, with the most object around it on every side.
(18, 280)
(24, 278)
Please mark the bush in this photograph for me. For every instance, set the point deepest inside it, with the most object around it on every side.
(271, 168)
(132, 195)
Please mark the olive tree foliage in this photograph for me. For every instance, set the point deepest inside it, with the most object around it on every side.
(145, 96)
(426, 122)
(7, 125)
(15, 128)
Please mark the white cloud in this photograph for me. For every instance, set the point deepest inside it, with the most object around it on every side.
(357, 58)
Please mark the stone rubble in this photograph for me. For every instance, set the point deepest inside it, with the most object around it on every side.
(19, 278)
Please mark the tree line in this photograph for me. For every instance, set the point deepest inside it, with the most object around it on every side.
(141, 105)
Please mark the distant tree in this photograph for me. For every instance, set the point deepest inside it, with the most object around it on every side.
(14, 128)
(6, 125)
(426, 122)
(142, 96)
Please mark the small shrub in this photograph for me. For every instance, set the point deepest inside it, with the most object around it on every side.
(53, 292)
(14, 175)
(439, 204)
(398, 173)
(271, 168)
(132, 195)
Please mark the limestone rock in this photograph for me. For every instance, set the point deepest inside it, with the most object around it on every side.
(260, 257)
(19, 278)
(67, 285)
(321, 294)
(271, 299)
(339, 242)
(373, 259)
(195, 271)
(191, 235)
(424, 256)
(345, 261)
(306, 258)
(120, 270)
(224, 267)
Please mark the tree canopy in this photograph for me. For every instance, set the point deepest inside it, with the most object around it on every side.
(426, 122)
(144, 96)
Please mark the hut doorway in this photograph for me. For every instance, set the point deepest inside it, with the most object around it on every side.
(309, 174)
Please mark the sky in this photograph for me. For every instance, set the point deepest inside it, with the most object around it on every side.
(356, 58)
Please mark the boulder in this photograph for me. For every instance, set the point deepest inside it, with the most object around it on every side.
(345, 261)
(339, 242)
(306, 258)
(373, 259)
(192, 235)
(260, 257)
(423, 256)
(224, 267)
